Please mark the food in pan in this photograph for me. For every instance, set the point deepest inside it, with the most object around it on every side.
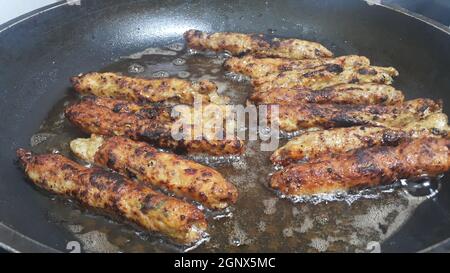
(367, 93)
(110, 117)
(364, 167)
(173, 90)
(260, 67)
(166, 171)
(294, 117)
(366, 134)
(117, 195)
(312, 145)
(256, 44)
(326, 75)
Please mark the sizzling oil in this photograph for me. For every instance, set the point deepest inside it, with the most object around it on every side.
(260, 221)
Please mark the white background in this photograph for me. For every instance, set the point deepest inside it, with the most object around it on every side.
(10, 9)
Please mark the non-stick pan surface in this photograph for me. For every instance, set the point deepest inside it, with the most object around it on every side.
(40, 51)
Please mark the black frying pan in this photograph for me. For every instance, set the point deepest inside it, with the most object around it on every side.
(41, 50)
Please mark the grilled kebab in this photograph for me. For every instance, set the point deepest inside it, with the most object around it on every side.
(260, 67)
(312, 145)
(115, 194)
(173, 90)
(166, 171)
(326, 75)
(256, 44)
(294, 117)
(154, 124)
(365, 167)
(367, 93)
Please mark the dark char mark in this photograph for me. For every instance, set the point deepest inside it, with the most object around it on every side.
(101, 179)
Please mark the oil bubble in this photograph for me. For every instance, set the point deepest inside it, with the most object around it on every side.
(160, 74)
(183, 74)
(423, 186)
(175, 46)
(179, 61)
(136, 68)
(39, 138)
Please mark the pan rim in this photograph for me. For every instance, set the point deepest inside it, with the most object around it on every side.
(23, 243)
(10, 24)
(24, 17)
(433, 23)
(414, 15)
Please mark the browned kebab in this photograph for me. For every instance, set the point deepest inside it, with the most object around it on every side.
(114, 194)
(162, 170)
(255, 44)
(324, 76)
(364, 167)
(172, 90)
(260, 67)
(294, 117)
(347, 93)
(314, 144)
(154, 124)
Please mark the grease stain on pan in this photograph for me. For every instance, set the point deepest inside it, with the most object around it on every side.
(151, 51)
(95, 241)
(136, 68)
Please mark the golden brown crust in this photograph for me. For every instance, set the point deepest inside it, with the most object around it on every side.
(312, 145)
(166, 171)
(115, 194)
(260, 67)
(324, 76)
(294, 117)
(110, 117)
(365, 167)
(368, 93)
(257, 44)
(113, 85)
